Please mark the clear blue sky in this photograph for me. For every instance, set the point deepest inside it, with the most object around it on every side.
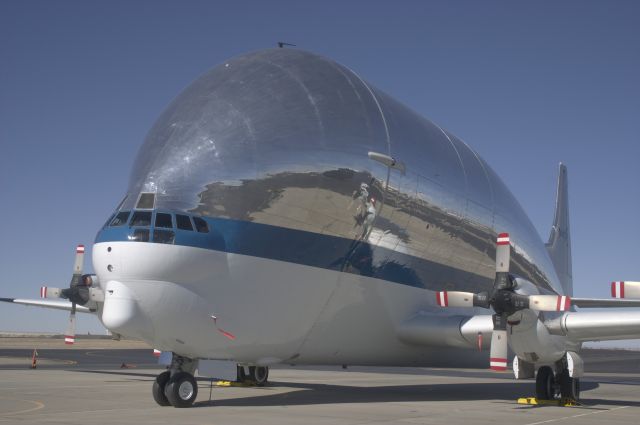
(527, 84)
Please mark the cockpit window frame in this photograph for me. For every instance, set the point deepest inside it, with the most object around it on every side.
(137, 213)
(160, 214)
(199, 228)
(180, 217)
(144, 206)
(123, 222)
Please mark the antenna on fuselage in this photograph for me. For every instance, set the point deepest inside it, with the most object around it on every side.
(281, 44)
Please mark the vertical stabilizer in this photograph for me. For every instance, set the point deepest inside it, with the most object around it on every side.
(559, 245)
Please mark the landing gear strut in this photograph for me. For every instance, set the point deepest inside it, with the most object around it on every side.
(176, 387)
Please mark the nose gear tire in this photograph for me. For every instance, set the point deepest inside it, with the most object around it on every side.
(181, 390)
(158, 388)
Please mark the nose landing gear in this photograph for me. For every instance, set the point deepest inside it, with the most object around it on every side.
(181, 390)
(176, 387)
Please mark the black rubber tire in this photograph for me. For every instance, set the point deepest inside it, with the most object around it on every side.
(569, 387)
(545, 384)
(181, 390)
(240, 375)
(158, 389)
(259, 375)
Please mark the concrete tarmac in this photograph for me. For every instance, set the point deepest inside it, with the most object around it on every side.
(89, 386)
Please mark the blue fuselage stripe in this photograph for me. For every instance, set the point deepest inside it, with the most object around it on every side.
(317, 250)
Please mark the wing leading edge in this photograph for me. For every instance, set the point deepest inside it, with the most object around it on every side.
(54, 304)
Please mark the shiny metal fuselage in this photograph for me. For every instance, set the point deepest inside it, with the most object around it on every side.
(271, 148)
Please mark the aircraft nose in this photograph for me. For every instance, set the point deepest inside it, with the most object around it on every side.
(121, 312)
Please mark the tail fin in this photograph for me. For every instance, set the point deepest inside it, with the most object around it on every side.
(559, 244)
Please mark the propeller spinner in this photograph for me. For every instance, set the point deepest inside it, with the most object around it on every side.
(504, 301)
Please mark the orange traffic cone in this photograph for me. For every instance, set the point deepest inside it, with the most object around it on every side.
(34, 359)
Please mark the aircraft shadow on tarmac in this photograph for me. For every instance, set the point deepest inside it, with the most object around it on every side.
(314, 394)
(338, 394)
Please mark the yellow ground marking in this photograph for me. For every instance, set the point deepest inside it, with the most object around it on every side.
(38, 405)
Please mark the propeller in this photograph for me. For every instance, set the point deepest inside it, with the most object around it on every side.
(625, 289)
(504, 301)
(77, 293)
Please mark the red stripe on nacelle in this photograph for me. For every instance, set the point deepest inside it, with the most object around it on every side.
(442, 298)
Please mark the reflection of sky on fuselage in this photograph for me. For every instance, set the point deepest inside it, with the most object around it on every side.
(263, 138)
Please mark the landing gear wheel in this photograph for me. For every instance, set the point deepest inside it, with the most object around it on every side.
(181, 390)
(158, 389)
(241, 376)
(545, 385)
(569, 387)
(259, 375)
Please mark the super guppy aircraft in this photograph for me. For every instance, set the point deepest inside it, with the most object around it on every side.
(283, 210)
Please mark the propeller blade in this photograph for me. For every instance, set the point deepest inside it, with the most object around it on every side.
(499, 345)
(549, 302)
(70, 334)
(77, 267)
(503, 253)
(625, 289)
(49, 292)
(454, 299)
(498, 356)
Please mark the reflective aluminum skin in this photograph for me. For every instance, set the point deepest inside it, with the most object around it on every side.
(280, 137)
(334, 215)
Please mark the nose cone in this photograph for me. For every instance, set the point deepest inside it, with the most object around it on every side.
(122, 314)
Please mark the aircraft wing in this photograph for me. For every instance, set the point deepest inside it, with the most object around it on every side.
(55, 304)
(604, 302)
(596, 325)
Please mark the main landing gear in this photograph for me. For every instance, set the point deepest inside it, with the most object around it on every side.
(257, 375)
(558, 385)
(176, 387)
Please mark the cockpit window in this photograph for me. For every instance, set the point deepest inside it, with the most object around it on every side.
(146, 201)
(164, 220)
(201, 225)
(183, 222)
(141, 218)
(140, 235)
(109, 220)
(120, 219)
(164, 236)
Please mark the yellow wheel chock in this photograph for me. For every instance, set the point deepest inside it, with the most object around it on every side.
(563, 402)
